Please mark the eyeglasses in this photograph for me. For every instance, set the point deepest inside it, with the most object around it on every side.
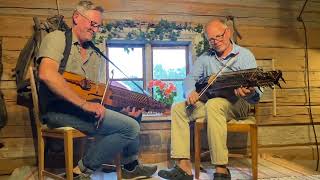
(92, 23)
(218, 37)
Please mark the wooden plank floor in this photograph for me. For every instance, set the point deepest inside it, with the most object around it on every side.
(269, 168)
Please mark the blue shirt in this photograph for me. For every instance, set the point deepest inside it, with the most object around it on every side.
(207, 65)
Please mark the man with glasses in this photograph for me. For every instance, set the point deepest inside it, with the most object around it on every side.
(65, 108)
(232, 104)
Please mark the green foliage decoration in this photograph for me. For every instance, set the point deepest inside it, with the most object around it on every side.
(145, 31)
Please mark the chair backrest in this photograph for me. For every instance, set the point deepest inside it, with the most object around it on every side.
(35, 100)
(269, 94)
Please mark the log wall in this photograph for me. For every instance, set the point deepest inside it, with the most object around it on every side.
(269, 28)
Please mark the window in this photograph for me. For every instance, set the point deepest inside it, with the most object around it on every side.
(144, 62)
(169, 64)
(131, 63)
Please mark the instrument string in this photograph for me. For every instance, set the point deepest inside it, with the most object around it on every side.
(215, 76)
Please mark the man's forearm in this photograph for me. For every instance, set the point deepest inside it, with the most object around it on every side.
(48, 73)
(59, 86)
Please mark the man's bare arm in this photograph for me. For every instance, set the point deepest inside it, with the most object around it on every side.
(48, 73)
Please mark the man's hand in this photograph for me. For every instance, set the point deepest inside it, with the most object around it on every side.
(244, 91)
(95, 108)
(133, 112)
(193, 97)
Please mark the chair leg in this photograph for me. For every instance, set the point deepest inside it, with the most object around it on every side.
(118, 167)
(197, 149)
(83, 142)
(254, 151)
(68, 150)
(41, 143)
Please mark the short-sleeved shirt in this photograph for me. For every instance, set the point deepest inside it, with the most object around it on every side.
(94, 69)
(53, 45)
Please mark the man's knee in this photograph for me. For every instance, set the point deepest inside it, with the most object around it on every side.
(178, 108)
(134, 128)
(217, 104)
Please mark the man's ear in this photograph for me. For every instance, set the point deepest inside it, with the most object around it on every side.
(230, 33)
(75, 18)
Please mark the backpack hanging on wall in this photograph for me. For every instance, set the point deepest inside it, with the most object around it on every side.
(27, 56)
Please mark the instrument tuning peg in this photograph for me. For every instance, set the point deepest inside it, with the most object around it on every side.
(278, 84)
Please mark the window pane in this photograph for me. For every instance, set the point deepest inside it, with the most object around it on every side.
(169, 63)
(129, 85)
(129, 62)
(180, 91)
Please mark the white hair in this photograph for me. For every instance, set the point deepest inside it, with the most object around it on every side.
(222, 21)
(85, 5)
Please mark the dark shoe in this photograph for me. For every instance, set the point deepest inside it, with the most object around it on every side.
(222, 176)
(176, 173)
(108, 168)
(139, 171)
(81, 176)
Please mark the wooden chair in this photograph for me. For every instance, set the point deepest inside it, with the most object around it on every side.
(248, 125)
(68, 134)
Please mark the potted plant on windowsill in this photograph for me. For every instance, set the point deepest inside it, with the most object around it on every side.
(164, 92)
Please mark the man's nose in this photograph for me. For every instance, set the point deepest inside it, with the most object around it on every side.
(94, 28)
(214, 42)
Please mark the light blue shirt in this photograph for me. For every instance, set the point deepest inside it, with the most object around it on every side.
(207, 64)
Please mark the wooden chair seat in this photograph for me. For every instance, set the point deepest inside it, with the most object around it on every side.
(249, 120)
(247, 125)
(60, 131)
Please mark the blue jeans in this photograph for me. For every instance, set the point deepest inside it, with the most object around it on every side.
(117, 133)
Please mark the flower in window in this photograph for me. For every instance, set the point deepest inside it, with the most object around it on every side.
(164, 92)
